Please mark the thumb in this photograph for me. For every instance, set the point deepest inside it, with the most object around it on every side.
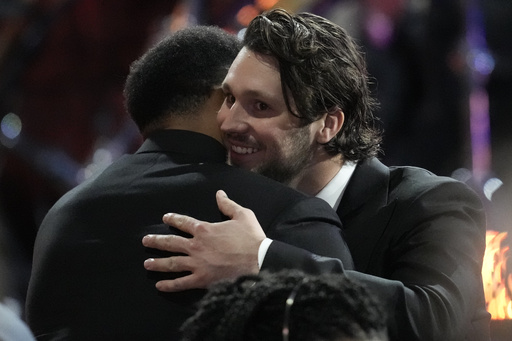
(227, 206)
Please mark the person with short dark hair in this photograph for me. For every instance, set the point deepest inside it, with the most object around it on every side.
(87, 281)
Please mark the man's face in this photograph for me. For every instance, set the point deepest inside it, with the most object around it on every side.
(260, 133)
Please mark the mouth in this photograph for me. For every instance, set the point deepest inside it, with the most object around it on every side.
(243, 150)
(243, 156)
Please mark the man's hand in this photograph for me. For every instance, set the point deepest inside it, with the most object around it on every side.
(216, 250)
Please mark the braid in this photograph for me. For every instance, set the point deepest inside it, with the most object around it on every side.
(212, 306)
(253, 308)
(339, 306)
(238, 314)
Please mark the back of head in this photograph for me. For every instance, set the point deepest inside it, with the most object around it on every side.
(325, 307)
(176, 76)
(322, 69)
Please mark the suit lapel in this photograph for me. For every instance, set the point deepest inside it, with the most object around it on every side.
(367, 190)
(364, 210)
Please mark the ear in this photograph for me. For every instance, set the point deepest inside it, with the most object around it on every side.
(331, 125)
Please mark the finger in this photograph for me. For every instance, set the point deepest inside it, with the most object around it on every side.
(181, 222)
(179, 284)
(166, 242)
(227, 206)
(169, 264)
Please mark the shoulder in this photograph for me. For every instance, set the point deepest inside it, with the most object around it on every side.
(418, 190)
(404, 184)
(270, 199)
(259, 190)
(248, 184)
(415, 181)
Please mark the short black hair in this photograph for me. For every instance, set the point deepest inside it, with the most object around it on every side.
(325, 307)
(322, 68)
(177, 75)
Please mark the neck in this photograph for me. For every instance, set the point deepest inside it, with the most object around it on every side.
(199, 124)
(317, 174)
(203, 121)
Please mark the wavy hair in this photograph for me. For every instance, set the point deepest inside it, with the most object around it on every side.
(322, 69)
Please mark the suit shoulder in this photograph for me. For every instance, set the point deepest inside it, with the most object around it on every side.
(413, 182)
(254, 183)
(269, 199)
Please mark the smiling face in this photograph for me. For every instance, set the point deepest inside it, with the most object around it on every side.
(260, 133)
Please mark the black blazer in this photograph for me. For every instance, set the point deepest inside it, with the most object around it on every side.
(418, 242)
(88, 280)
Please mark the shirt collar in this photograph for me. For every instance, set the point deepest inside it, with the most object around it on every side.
(194, 147)
(333, 191)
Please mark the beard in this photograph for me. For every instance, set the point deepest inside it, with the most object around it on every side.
(285, 169)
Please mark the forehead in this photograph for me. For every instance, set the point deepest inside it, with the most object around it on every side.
(255, 73)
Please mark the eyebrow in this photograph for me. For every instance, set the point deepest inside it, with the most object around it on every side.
(255, 93)
(225, 87)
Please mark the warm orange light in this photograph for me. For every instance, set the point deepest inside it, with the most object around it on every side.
(246, 14)
(180, 17)
(496, 277)
(266, 4)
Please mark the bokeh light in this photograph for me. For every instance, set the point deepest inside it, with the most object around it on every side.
(11, 126)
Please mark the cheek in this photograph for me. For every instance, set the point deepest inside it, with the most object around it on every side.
(272, 138)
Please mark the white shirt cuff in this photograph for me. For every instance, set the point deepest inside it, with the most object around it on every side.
(262, 252)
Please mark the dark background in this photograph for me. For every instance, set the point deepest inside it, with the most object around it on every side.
(442, 68)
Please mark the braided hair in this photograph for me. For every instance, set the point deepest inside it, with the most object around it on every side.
(326, 307)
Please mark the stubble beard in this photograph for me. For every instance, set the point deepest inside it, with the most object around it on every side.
(285, 170)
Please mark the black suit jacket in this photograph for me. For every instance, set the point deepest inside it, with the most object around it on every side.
(418, 242)
(88, 280)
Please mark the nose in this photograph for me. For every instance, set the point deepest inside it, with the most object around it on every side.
(232, 119)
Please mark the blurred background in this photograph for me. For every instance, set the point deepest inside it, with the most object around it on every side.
(442, 71)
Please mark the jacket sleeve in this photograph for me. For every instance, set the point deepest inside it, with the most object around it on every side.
(308, 237)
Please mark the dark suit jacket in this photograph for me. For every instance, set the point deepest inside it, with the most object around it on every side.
(418, 241)
(88, 280)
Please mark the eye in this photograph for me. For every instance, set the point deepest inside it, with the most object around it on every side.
(262, 106)
(230, 100)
